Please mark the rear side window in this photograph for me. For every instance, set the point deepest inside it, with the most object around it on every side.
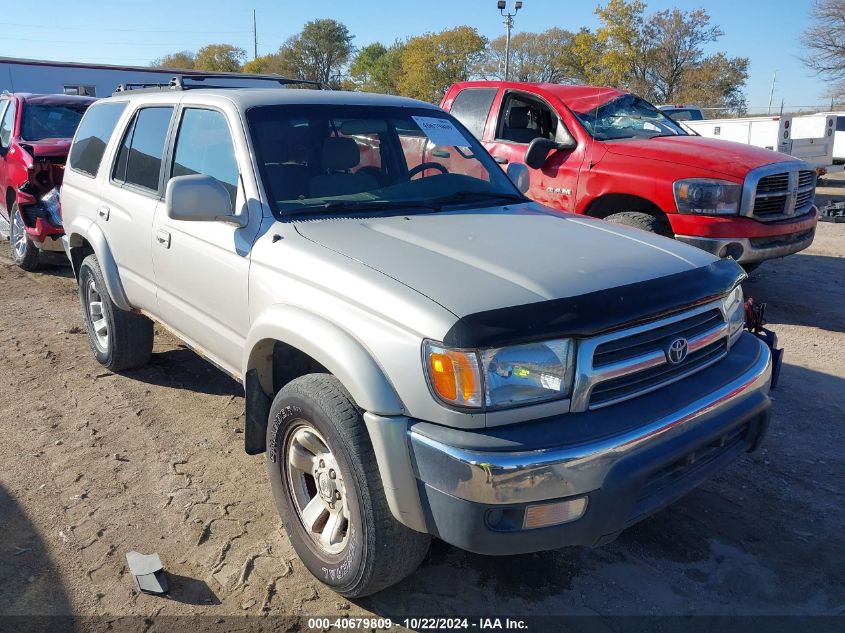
(840, 124)
(93, 135)
(139, 158)
(204, 146)
(472, 106)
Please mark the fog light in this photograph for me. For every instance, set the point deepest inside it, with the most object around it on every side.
(554, 513)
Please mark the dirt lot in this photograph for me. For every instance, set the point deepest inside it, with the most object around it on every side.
(93, 465)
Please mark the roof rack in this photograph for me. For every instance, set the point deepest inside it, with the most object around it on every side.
(177, 82)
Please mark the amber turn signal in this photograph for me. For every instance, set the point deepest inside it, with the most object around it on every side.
(454, 375)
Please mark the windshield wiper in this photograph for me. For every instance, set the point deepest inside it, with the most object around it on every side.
(360, 205)
(465, 196)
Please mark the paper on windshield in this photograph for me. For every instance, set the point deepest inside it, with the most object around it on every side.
(441, 131)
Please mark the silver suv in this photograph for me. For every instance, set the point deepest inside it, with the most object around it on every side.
(424, 351)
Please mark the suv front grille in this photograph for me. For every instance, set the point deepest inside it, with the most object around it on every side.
(621, 365)
(783, 194)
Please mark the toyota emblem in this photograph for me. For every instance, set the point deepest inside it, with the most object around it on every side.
(677, 351)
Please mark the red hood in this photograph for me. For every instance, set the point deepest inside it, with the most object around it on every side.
(51, 147)
(724, 157)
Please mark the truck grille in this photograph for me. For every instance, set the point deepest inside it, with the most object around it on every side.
(783, 194)
(629, 363)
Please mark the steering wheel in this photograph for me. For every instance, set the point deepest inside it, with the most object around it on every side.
(423, 166)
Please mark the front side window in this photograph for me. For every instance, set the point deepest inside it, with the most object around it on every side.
(340, 157)
(50, 121)
(139, 159)
(93, 135)
(7, 124)
(627, 117)
(204, 146)
(524, 119)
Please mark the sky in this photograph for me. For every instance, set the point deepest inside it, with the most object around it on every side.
(133, 33)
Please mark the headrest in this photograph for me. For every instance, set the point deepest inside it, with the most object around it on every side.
(340, 153)
(518, 118)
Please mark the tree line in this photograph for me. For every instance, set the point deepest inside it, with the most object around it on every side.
(659, 56)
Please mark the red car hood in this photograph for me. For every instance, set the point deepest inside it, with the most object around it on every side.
(725, 157)
(49, 146)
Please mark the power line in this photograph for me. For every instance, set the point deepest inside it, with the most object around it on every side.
(41, 27)
(41, 39)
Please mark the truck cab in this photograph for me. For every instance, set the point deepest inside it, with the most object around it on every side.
(608, 154)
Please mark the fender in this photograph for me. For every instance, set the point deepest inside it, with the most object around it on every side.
(328, 344)
(84, 228)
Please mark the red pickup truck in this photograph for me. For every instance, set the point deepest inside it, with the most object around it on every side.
(609, 154)
(35, 135)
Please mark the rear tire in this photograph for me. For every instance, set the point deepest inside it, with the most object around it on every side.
(24, 253)
(119, 339)
(644, 221)
(315, 428)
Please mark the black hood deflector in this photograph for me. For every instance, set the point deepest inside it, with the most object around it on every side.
(596, 312)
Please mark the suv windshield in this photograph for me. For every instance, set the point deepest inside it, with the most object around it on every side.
(628, 117)
(329, 157)
(50, 121)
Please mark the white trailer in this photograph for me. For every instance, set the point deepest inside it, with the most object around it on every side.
(807, 140)
(771, 132)
(838, 137)
(47, 77)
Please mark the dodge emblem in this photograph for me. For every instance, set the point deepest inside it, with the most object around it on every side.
(677, 350)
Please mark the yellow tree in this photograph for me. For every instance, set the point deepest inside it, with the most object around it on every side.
(432, 62)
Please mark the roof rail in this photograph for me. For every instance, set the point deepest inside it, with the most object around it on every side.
(178, 82)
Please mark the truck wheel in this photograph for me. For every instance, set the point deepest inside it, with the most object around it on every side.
(24, 253)
(119, 339)
(644, 221)
(329, 492)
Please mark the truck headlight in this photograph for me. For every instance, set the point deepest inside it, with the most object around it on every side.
(501, 377)
(707, 196)
(734, 306)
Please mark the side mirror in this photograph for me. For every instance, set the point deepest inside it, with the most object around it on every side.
(200, 198)
(538, 151)
(519, 175)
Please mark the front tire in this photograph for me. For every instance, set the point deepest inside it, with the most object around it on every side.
(119, 339)
(24, 253)
(329, 493)
(644, 221)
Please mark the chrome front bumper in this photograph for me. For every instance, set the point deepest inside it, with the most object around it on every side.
(514, 477)
(747, 250)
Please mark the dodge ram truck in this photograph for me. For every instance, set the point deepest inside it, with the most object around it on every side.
(608, 154)
(35, 134)
(424, 351)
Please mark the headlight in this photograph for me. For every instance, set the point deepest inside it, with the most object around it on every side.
(501, 377)
(707, 196)
(734, 306)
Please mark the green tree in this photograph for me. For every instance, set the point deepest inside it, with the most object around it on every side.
(319, 53)
(824, 40)
(545, 56)
(432, 62)
(220, 58)
(182, 59)
(376, 68)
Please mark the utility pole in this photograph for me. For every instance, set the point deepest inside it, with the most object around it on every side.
(254, 37)
(508, 26)
(772, 93)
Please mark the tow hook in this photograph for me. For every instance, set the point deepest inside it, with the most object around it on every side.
(755, 321)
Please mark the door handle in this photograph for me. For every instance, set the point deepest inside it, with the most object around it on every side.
(103, 211)
(501, 160)
(163, 238)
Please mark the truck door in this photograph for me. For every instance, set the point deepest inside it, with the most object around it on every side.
(7, 119)
(521, 119)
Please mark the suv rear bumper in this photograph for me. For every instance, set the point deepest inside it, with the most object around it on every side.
(475, 487)
(745, 239)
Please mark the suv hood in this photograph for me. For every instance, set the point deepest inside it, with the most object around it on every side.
(476, 260)
(724, 157)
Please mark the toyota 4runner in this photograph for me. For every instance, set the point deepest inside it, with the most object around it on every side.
(424, 351)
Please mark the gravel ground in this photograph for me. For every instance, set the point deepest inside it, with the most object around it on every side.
(93, 465)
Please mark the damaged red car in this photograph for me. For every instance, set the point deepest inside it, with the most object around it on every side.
(35, 136)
